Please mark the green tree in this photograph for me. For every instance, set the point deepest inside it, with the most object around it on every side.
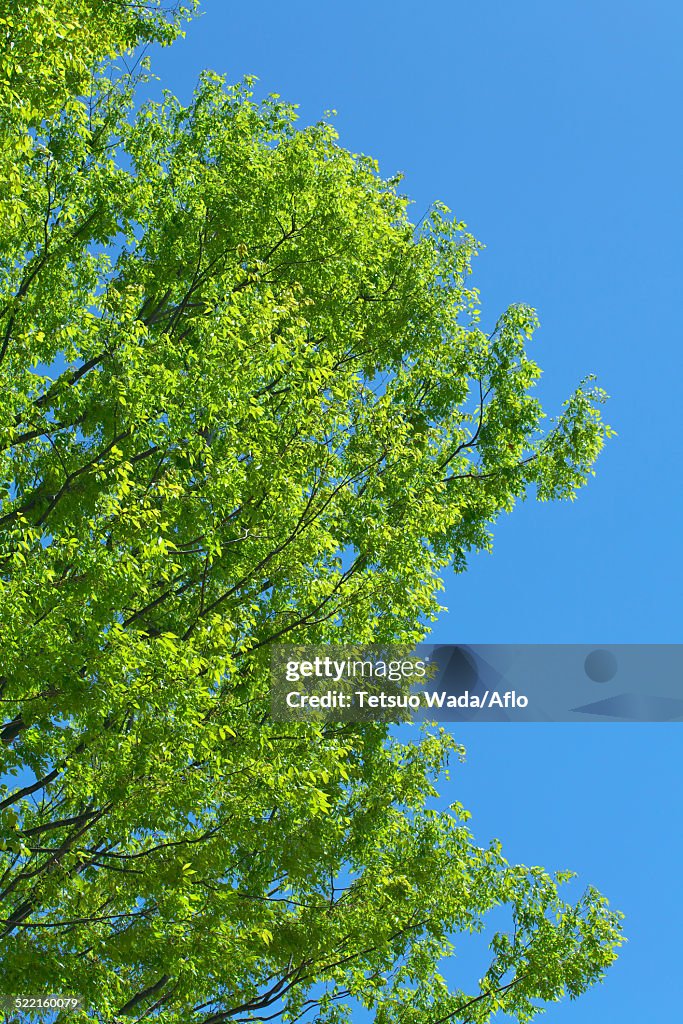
(245, 400)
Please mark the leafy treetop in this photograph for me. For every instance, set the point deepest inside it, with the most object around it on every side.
(244, 400)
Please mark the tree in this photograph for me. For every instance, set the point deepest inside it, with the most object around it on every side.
(245, 400)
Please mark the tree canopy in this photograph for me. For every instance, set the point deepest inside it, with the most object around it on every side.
(244, 399)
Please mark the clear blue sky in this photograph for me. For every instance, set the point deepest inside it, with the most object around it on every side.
(553, 130)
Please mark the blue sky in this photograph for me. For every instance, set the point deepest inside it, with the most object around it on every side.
(552, 129)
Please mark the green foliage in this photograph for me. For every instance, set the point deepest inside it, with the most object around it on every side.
(243, 399)
(48, 51)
